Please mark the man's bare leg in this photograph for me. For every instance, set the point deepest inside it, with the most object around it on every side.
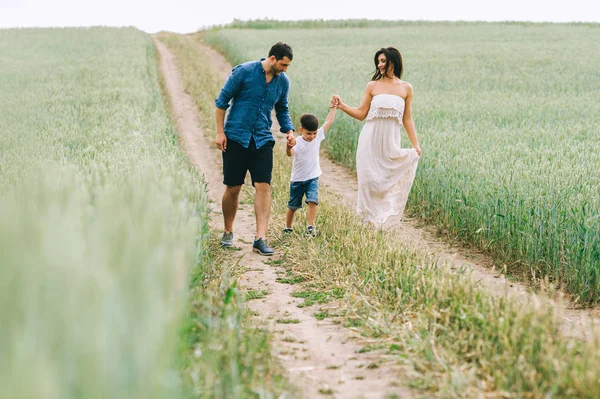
(229, 205)
(262, 208)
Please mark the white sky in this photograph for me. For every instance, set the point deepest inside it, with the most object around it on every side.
(186, 16)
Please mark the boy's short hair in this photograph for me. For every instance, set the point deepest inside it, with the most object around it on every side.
(309, 122)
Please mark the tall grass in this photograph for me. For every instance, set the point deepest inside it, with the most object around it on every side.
(508, 120)
(457, 340)
(100, 216)
(102, 220)
(224, 353)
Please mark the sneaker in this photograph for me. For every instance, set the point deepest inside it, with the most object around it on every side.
(310, 230)
(288, 230)
(227, 239)
(262, 247)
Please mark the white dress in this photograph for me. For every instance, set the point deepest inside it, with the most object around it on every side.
(385, 170)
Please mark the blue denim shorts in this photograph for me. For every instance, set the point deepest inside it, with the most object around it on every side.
(299, 189)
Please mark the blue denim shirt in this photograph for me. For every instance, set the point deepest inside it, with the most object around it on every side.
(252, 101)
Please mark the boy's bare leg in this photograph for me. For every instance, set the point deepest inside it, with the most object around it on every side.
(229, 205)
(311, 214)
(262, 208)
(289, 218)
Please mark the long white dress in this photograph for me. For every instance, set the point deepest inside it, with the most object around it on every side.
(385, 170)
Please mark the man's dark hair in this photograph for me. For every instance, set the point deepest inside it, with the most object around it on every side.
(280, 50)
(309, 122)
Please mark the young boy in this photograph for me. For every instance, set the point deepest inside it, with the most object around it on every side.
(306, 168)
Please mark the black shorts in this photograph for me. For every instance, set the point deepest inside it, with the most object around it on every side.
(237, 160)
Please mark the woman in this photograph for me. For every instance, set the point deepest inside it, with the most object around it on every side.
(385, 170)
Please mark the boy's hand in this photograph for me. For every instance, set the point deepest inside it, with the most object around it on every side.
(335, 100)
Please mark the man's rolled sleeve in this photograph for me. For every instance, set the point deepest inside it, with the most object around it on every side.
(282, 112)
(230, 88)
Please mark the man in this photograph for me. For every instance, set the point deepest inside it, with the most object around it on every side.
(245, 139)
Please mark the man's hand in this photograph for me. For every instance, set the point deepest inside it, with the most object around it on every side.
(221, 141)
(291, 139)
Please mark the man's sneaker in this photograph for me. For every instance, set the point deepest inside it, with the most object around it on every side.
(262, 247)
(227, 239)
(310, 230)
(288, 230)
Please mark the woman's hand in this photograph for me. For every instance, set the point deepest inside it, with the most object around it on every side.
(418, 149)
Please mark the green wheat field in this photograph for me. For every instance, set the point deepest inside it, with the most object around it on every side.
(113, 286)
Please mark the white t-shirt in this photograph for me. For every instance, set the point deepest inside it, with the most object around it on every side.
(306, 164)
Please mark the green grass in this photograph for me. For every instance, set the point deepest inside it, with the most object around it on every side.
(101, 217)
(290, 280)
(256, 294)
(321, 315)
(224, 352)
(456, 340)
(507, 117)
(359, 23)
(109, 285)
(312, 297)
(287, 321)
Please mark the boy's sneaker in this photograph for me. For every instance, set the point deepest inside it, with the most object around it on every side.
(262, 247)
(310, 230)
(288, 230)
(227, 239)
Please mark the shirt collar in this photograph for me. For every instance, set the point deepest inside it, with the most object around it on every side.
(263, 69)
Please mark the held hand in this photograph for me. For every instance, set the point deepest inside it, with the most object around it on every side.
(418, 149)
(338, 102)
(221, 141)
(335, 101)
(291, 139)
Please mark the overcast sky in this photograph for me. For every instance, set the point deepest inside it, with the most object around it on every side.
(186, 16)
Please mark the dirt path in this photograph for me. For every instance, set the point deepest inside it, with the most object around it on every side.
(575, 322)
(322, 358)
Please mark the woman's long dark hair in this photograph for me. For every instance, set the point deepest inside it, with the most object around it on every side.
(393, 56)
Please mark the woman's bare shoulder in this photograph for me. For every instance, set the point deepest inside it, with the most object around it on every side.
(370, 87)
(398, 88)
(405, 89)
(371, 84)
(405, 85)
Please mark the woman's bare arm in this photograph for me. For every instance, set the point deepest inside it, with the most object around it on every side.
(361, 112)
(407, 120)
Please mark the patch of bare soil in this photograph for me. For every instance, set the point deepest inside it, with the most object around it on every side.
(322, 358)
